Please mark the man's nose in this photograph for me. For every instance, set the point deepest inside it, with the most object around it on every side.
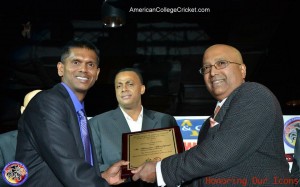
(213, 70)
(124, 87)
(83, 68)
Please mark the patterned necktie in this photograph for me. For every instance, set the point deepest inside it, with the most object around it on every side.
(212, 120)
(216, 111)
(85, 136)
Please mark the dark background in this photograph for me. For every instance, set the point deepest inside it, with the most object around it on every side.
(166, 47)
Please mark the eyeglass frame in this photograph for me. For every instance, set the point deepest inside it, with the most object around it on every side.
(210, 66)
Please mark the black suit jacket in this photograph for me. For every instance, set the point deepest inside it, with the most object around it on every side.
(246, 145)
(107, 129)
(8, 142)
(49, 143)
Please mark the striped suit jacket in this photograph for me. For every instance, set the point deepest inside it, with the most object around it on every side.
(245, 149)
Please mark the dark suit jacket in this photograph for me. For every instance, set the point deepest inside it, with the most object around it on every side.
(295, 171)
(8, 143)
(107, 130)
(247, 145)
(49, 143)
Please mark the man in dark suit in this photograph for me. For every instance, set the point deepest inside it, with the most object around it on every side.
(130, 116)
(295, 170)
(49, 140)
(8, 140)
(241, 145)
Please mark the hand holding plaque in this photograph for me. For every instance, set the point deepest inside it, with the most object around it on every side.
(150, 145)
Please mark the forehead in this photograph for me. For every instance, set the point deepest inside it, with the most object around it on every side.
(126, 76)
(84, 53)
(217, 53)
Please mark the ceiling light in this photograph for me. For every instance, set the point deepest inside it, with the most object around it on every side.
(112, 16)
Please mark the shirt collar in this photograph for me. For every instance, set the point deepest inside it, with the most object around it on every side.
(77, 104)
(220, 103)
(128, 117)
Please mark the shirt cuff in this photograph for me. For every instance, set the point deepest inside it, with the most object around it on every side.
(159, 177)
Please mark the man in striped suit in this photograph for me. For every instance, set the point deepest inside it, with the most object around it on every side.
(241, 145)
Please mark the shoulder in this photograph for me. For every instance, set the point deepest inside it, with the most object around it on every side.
(105, 115)
(254, 88)
(8, 136)
(53, 99)
(156, 114)
(254, 85)
(255, 93)
(58, 92)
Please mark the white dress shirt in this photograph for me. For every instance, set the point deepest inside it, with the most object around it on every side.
(134, 126)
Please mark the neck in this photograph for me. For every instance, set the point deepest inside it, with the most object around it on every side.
(80, 96)
(133, 113)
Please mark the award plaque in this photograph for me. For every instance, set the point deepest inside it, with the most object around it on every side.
(149, 145)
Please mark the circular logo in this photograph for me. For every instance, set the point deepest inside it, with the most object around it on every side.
(14, 173)
(290, 131)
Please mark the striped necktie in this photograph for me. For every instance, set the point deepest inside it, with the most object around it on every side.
(212, 120)
(85, 136)
(216, 111)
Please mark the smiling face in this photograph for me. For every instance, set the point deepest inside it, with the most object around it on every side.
(128, 88)
(79, 70)
(221, 83)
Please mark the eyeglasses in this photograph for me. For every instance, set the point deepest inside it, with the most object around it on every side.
(218, 65)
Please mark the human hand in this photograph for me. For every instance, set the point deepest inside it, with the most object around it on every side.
(113, 174)
(146, 172)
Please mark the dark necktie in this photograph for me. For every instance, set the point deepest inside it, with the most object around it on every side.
(85, 136)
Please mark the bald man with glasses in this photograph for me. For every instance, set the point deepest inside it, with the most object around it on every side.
(240, 145)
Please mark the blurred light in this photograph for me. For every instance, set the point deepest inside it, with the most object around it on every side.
(293, 103)
(112, 16)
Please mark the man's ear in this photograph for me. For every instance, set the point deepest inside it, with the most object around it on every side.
(60, 69)
(243, 70)
(143, 89)
(98, 72)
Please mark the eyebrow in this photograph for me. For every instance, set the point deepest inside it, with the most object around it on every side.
(216, 60)
(127, 81)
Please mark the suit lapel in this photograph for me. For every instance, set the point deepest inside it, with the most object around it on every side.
(93, 149)
(74, 124)
(225, 106)
(219, 118)
(149, 121)
(120, 121)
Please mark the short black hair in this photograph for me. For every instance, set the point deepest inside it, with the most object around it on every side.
(137, 71)
(79, 43)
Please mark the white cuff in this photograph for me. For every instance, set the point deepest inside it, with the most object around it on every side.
(159, 177)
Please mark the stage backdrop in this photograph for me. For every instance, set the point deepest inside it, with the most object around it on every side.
(190, 126)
